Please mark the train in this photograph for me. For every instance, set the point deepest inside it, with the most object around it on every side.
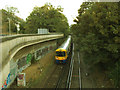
(63, 51)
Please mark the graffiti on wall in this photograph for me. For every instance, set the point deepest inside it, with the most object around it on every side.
(6, 82)
(44, 50)
(21, 79)
(13, 70)
(38, 53)
(24, 62)
(11, 76)
(21, 64)
(29, 57)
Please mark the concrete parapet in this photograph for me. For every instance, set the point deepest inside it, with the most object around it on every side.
(11, 45)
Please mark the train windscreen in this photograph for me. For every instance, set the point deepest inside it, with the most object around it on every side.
(60, 54)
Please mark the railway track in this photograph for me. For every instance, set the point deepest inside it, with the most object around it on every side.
(74, 76)
(58, 76)
(66, 76)
(62, 82)
(62, 79)
(53, 78)
(72, 79)
(70, 70)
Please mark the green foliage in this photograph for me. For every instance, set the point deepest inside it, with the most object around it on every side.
(115, 74)
(97, 33)
(9, 17)
(97, 29)
(47, 17)
(12, 10)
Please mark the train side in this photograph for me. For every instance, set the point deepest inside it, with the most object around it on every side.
(63, 51)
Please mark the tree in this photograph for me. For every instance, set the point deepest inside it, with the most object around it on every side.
(9, 18)
(12, 10)
(47, 17)
(115, 74)
(97, 32)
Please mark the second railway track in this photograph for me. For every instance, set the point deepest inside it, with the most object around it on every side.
(74, 76)
(66, 75)
(62, 82)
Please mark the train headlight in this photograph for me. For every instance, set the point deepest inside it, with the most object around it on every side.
(56, 57)
(64, 58)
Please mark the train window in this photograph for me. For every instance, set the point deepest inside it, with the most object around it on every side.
(60, 54)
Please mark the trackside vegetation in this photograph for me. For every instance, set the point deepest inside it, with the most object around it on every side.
(97, 34)
(47, 16)
(10, 20)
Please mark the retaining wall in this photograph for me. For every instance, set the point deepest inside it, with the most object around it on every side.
(9, 65)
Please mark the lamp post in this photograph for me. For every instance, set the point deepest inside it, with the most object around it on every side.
(9, 27)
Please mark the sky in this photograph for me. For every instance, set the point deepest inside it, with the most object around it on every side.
(25, 7)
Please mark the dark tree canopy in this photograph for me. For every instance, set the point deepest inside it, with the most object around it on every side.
(47, 17)
(97, 32)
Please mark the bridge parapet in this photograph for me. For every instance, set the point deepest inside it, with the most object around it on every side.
(10, 45)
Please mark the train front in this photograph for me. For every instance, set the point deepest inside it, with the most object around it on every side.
(61, 56)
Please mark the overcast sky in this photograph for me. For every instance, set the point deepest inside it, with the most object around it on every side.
(25, 7)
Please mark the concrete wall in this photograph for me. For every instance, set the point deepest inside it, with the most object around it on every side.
(10, 49)
(4, 74)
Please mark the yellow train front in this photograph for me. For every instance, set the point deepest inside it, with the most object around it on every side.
(63, 51)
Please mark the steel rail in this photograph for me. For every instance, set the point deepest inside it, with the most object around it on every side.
(70, 70)
(60, 78)
(63, 72)
(71, 73)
